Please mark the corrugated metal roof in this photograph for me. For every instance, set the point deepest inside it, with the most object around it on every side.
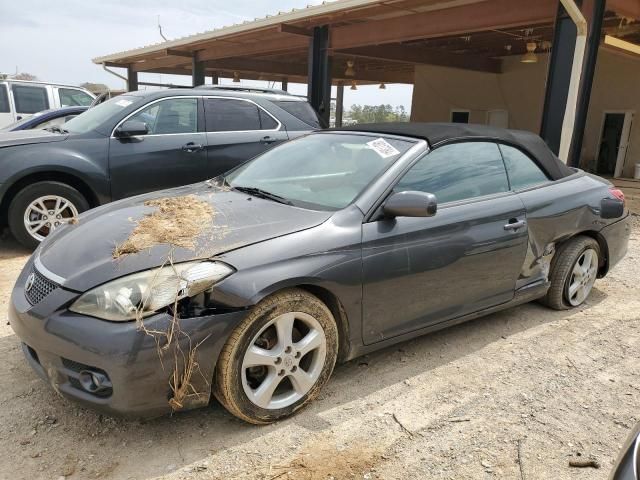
(327, 7)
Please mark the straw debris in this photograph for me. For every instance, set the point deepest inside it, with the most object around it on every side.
(176, 221)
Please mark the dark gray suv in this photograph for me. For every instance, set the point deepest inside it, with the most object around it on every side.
(136, 143)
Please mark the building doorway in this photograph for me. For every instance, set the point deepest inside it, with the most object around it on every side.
(614, 143)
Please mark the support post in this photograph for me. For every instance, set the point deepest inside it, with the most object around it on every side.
(319, 74)
(596, 17)
(132, 79)
(197, 72)
(558, 79)
(339, 103)
(215, 80)
(285, 84)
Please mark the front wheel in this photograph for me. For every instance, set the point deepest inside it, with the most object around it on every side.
(574, 270)
(40, 208)
(278, 359)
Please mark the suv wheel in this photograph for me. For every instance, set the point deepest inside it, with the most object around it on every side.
(40, 208)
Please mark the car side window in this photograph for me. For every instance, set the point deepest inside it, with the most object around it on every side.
(30, 99)
(174, 115)
(458, 171)
(4, 99)
(267, 122)
(522, 170)
(230, 115)
(70, 97)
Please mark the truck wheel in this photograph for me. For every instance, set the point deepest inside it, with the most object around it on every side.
(278, 358)
(40, 208)
(574, 270)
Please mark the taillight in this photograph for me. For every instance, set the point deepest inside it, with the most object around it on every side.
(619, 194)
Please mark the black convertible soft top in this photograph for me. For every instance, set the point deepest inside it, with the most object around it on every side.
(437, 133)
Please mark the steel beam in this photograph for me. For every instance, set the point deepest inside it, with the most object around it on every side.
(132, 79)
(319, 72)
(197, 73)
(595, 16)
(558, 79)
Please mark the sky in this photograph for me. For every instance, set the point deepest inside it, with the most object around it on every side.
(57, 40)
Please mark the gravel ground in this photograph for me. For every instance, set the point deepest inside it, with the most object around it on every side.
(517, 394)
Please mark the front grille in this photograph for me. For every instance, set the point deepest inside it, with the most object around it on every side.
(40, 288)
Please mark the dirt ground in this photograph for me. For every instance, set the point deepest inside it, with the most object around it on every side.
(517, 394)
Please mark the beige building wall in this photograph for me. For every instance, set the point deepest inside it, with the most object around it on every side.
(520, 91)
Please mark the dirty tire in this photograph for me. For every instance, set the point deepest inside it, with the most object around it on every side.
(561, 270)
(28, 194)
(228, 385)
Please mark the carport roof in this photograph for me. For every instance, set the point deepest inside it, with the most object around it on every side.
(385, 38)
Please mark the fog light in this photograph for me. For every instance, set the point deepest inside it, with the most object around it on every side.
(94, 382)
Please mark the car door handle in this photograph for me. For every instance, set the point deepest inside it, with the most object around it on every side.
(192, 147)
(515, 224)
(268, 139)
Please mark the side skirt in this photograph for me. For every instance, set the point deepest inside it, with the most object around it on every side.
(525, 294)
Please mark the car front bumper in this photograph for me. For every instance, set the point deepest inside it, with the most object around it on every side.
(60, 344)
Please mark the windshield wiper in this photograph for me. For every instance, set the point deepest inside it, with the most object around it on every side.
(56, 129)
(257, 192)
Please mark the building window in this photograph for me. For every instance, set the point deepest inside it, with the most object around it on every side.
(460, 116)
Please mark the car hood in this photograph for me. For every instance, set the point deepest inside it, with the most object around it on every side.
(80, 256)
(28, 137)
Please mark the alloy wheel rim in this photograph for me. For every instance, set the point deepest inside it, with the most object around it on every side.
(47, 213)
(284, 361)
(583, 276)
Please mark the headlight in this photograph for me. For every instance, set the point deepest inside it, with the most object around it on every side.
(144, 293)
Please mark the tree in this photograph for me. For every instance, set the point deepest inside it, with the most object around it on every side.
(24, 76)
(377, 114)
(95, 88)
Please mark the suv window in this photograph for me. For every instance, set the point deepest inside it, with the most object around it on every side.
(174, 115)
(522, 171)
(30, 99)
(4, 99)
(230, 115)
(70, 97)
(457, 172)
(302, 111)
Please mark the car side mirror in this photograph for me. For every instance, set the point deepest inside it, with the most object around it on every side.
(410, 204)
(131, 128)
(611, 208)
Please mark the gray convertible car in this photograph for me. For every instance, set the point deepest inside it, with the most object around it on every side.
(322, 249)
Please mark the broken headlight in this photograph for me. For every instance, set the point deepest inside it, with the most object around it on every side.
(142, 294)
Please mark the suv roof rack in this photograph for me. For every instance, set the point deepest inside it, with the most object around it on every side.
(233, 88)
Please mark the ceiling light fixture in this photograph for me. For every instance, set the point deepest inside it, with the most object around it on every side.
(354, 86)
(530, 56)
(383, 86)
(236, 77)
(350, 71)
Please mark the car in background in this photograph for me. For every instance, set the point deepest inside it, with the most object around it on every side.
(45, 119)
(136, 143)
(324, 248)
(19, 99)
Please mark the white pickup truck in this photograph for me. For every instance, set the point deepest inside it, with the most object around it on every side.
(22, 98)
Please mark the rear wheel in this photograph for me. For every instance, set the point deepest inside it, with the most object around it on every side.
(574, 270)
(40, 208)
(278, 359)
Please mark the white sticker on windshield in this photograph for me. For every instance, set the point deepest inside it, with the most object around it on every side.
(383, 148)
(123, 103)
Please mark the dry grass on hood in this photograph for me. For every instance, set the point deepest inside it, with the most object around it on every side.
(176, 221)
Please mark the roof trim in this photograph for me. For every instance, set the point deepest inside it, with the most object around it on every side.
(268, 21)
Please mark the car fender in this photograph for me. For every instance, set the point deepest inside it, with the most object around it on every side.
(84, 159)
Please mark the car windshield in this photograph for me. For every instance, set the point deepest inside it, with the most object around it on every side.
(95, 116)
(326, 171)
(19, 123)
